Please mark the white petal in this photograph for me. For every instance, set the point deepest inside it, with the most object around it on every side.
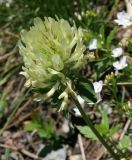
(81, 100)
(77, 112)
(93, 44)
(116, 65)
(124, 19)
(117, 52)
(119, 65)
(98, 86)
(120, 14)
(123, 60)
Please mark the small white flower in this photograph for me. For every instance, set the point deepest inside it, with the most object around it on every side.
(98, 86)
(121, 64)
(124, 19)
(77, 112)
(117, 52)
(81, 100)
(93, 44)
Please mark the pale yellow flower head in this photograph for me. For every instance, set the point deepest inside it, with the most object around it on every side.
(52, 50)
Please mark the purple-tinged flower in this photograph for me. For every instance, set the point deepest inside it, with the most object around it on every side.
(117, 52)
(121, 64)
(124, 19)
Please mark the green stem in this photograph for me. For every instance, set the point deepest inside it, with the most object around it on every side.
(89, 123)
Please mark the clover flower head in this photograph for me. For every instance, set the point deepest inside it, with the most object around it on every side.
(121, 64)
(92, 44)
(52, 50)
(124, 19)
(117, 52)
(98, 86)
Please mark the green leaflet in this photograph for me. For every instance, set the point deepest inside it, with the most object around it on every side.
(86, 90)
(103, 128)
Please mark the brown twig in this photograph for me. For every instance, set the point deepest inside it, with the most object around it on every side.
(9, 147)
(114, 8)
(121, 84)
(23, 107)
(81, 147)
(128, 32)
(129, 6)
(124, 41)
(125, 129)
(22, 119)
(3, 57)
(24, 151)
(11, 34)
(29, 154)
(11, 116)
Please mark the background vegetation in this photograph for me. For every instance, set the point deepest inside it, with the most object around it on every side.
(32, 129)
